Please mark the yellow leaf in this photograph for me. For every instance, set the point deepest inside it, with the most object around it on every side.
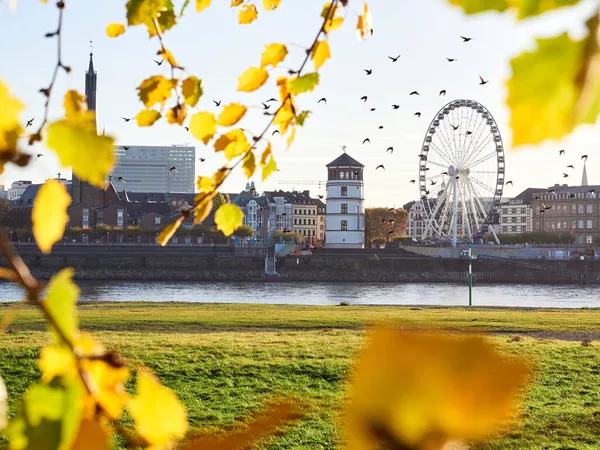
(228, 218)
(203, 210)
(282, 82)
(78, 145)
(284, 117)
(153, 90)
(203, 126)
(159, 416)
(10, 129)
(206, 184)
(270, 420)
(558, 99)
(364, 26)
(3, 405)
(191, 88)
(60, 301)
(115, 29)
(165, 235)
(249, 164)
(269, 168)
(333, 24)
(248, 14)
(302, 117)
(56, 361)
(417, 389)
(231, 114)
(201, 5)
(305, 83)
(110, 384)
(49, 215)
(252, 79)
(236, 3)
(320, 53)
(92, 435)
(234, 143)
(169, 58)
(265, 154)
(74, 104)
(270, 5)
(177, 114)
(290, 139)
(147, 117)
(220, 175)
(273, 55)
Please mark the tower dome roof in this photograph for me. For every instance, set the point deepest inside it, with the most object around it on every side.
(345, 160)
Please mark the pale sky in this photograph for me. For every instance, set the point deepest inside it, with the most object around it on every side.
(214, 47)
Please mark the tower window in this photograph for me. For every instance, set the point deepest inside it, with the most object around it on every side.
(344, 208)
(344, 191)
(344, 225)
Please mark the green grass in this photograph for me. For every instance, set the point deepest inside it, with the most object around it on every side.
(224, 361)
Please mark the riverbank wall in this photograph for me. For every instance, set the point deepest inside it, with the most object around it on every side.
(181, 263)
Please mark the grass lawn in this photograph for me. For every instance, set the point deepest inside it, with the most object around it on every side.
(224, 361)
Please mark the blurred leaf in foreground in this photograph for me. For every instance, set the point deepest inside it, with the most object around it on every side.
(415, 390)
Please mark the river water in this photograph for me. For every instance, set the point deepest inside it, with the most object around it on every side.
(569, 296)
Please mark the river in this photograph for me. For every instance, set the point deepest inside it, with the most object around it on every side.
(568, 296)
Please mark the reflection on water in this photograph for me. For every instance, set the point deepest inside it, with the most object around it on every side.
(333, 293)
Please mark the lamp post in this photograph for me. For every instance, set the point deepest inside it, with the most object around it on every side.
(470, 274)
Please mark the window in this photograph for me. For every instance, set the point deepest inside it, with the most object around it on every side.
(590, 240)
(295, 221)
(513, 229)
(580, 209)
(580, 224)
(573, 209)
(314, 222)
(564, 209)
(589, 209)
(85, 220)
(579, 239)
(304, 232)
(314, 232)
(321, 227)
(119, 213)
(344, 225)
(304, 221)
(157, 221)
(344, 208)
(344, 191)
(295, 211)
(588, 224)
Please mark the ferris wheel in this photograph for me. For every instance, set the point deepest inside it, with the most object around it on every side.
(461, 172)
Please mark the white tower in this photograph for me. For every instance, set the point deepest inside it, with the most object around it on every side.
(345, 216)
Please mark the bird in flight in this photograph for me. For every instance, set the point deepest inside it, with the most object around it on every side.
(551, 191)
(217, 103)
(383, 219)
(202, 159)
(592, 191)
(508, 182)
(274, 132)
(364, 98)
(29, 122)
(395, 106)
(451, 59)
(444, 173)
(537, 197)
(121, 179)
(390, 149)
(394, 59)
(367, 140)
(561, 152)
(570, 166)
(571, 195)
(418, 114)
(482, 81)
(469, 133)
(565, 175)
(265, 106)
(39, 155)
(381, 127)
(159, 63)
(433, 183)
(368, 71)
(126, 119)
(466, 39)
(172, 169)
(324, 100)
(584, 157)
(414, 93)
(442, 92)
(125, 148)
(320, 196)
(413, 181)
(372, 109)
(454, 127)
(380, 166)
(187, 128)
(272, 99)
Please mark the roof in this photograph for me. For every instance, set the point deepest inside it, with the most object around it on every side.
(345, 160)
(525, 197)
(26, 199)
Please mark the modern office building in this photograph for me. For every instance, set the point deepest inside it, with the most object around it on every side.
(148, 168)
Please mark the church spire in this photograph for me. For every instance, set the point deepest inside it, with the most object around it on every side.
(90, 83)
(584, 180)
